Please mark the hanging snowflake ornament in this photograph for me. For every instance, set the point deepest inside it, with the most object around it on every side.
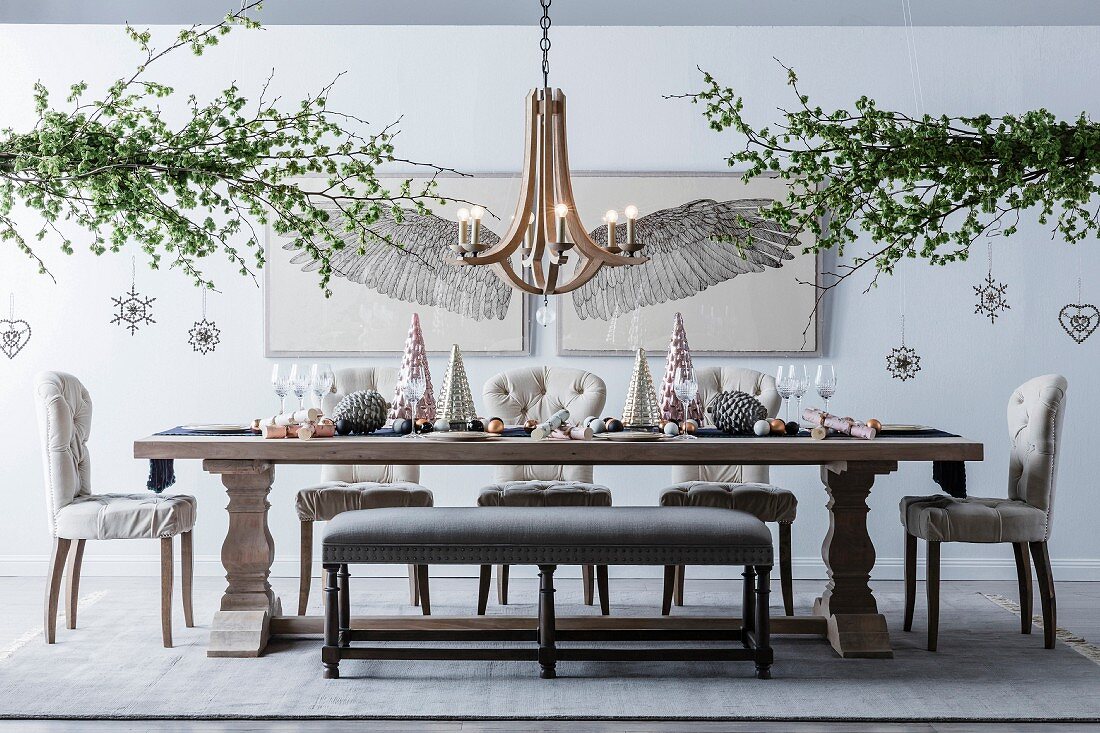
(903, 362)
(991, 294)
(14, 332)
(132, 309)
(205, 335)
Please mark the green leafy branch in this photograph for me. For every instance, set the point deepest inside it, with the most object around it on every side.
(119, 172)
(919, 187)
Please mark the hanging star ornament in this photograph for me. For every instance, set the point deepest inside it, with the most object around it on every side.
(204, 336)
(133, 310)
(903, 363)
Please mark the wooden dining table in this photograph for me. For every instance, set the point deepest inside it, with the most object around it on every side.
(846, 613)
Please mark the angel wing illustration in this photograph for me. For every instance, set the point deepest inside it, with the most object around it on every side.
(417, 271)
(685, 255)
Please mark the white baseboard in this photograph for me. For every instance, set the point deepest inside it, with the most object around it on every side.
(805, 568)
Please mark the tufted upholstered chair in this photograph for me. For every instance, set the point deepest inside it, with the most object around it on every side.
(744, 488)
(349, 487)
(76, 515)
(536, 393)
(544, 493)
(1035, 412)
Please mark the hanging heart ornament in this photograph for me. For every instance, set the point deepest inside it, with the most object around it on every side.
(1079, 321)
(14, 335)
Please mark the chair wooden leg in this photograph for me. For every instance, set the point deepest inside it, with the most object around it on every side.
(187, 561)
(589, 582)
(502, 585)
(785, 580)
(305, 567)
(167, 575)
(910, 579)
(414, 587)
(53, 587)
(1041, 556)
(484, 581)
(678, 596)
(602, 584)
(422, 585)
(933, 594)
(670, 584)
(72, 582)
(1023, 576)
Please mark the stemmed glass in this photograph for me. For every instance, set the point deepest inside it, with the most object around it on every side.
(826, 382)
(321, 381)
(280, 382)
(299, 384)
(784, 385)
(799, 384)
(686, 386)
(416, 383)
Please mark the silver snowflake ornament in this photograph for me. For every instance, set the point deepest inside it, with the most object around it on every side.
(133, 310)
(204, 336)
(991, 298)
(903, 363)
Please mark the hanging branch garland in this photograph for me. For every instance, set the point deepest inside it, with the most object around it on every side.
(116, 169)
(14, 332)
(133, 310)
(205, 335)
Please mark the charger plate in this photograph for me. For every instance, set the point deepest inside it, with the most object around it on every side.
(628, 437)
(216, 427)
(902, 428)
(460, 436)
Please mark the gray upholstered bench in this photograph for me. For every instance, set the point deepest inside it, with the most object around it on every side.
(547, 537)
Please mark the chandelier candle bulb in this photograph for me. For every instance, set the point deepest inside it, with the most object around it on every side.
(631, 214)
(561, 210)
(612, 218)
(529, 237)
(476, 213)
(463, 225)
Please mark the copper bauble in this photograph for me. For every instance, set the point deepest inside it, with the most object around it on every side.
(530, 425)
(495, 426)
(778, 426)
(874, 423)
(688, 426)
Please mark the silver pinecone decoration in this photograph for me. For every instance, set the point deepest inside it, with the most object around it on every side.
(736, 412)
(364, 410)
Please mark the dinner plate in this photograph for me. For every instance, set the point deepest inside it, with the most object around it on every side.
(631, 437)
(900, 428)
(217, 428)
(460, 436)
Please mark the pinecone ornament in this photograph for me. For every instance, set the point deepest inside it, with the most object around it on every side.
(365, 411)
(736, 412)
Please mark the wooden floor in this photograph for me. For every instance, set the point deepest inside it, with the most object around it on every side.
(1077, 606)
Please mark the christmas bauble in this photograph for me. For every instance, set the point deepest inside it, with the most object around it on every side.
(671, 428)
(792, 428)
(873, 423)
(689, 427)
(778, 426)
(761, 427)
(442, 426)
(343, 427)
(613, 425)
(402, 426)
(597, 426)
(530, 425)
(494, 426)
(476, 426)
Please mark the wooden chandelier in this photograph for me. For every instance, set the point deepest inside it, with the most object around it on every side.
(546, 225)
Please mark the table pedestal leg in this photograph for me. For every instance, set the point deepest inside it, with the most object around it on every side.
(855, 627)
(242, 627)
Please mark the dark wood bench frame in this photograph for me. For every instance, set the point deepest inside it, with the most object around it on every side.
(753, 632)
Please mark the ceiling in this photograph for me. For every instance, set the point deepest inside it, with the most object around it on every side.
(567, 12)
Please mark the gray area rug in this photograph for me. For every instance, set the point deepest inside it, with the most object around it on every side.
(114, 666)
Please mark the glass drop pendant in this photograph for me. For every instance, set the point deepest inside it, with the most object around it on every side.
(545, 315)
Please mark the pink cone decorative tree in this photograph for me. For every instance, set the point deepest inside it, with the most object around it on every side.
(679, 354)
(414, 354)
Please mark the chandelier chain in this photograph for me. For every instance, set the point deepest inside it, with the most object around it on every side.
(544, 44)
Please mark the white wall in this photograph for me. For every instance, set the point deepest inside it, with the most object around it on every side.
(460, 91)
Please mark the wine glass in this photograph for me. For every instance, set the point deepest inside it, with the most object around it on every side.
(826, 382)
(416, 383)
(686, 386)
(784, 385)
(321, 381)
(299, 384)
(799, 384)
(280, 382)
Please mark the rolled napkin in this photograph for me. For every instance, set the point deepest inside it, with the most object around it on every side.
(310, 414)
(845, 425)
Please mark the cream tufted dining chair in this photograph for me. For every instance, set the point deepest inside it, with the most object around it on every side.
(349, 487)
(77, 515)
(744, 488)
(536, 393)
(1035, 413)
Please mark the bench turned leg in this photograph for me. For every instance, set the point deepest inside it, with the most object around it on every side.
(763, 624)
(344, 576)
(547, 650)
(330, 653)
(748, 599)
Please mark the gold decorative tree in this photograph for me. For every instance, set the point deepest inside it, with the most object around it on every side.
(456, 403)
(641, 409)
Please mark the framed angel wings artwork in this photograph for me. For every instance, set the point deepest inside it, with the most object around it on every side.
(736, 299)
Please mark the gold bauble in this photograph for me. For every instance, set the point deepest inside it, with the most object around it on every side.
(495, 426)
(874, 423)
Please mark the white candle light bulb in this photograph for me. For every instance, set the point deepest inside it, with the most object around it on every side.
(561, 210)
(612, 216)
(631, 212)
(463, 214)
(477, 212)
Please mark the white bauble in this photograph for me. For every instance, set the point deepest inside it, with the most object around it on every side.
(598, 426)
(762, 427)
(441, 426)
(672, 428)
